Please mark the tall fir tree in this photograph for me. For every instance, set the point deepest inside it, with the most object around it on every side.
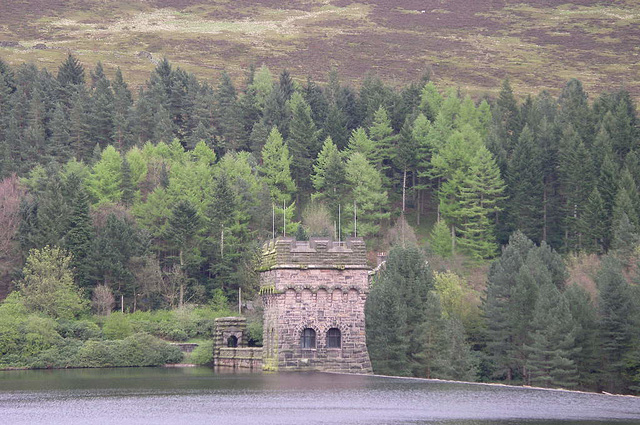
(525, 180)
(616, 306)
(302, 142)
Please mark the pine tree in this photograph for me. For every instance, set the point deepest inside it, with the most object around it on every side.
(586, 352)
(276, 112)
(102, 108)
(498, 305)
(627, 199)
(315, 97)
(405, 158)
(575, 166)
(386, 323)
(59, 143)
(335, 126)
(625, 240)
(384, 141)
(302, 141)
(71, 72)
(105, 182)
(144, 122)
(553, 341)
(329, 177)
(276, 166)
(360, 142)
(262, 85)
(615, 307)
(366, 194)
(78, 237)
(430, 101)
(122, 111)
(525, 186)
(592, 223)
(222, 208)
(440, 239)
(126, 185)
(573, 110)
(80, 126)
(227, 112)
(163, 128)
(182, 227)
(116, 243)
(285, 85)
(408, 280)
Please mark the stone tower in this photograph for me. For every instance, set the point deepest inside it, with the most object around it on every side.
(314, 294)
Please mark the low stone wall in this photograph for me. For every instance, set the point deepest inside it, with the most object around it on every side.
(185, 347)
(250, 357)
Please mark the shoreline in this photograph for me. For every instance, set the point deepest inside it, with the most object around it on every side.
(493, 384)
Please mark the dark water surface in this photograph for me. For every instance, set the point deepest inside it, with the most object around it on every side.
(202, 396)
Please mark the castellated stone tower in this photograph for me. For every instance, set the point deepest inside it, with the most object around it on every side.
(314, 294)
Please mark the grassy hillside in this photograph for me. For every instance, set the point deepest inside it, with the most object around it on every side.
(538, 44)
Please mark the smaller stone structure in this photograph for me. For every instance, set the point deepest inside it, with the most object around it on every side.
(230, 344)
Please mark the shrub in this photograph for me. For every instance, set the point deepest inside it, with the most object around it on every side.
(60, 356)
(203, 354)
(254, 333)
(117, 326)
(81, 329)
(135, 350)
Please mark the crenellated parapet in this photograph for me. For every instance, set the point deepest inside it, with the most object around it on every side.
(316, 253)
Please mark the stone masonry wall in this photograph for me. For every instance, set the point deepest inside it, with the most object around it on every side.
(317, 288)
(239, 356)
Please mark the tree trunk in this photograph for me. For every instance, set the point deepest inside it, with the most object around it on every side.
(453, 239)
(222, 242)
(181, 301)
(544, 213)
(418, 207)
(404, 189)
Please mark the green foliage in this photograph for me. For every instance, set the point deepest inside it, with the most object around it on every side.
(159, 210)
(618, 310)
(440, 240)
(395, 312)
(117, 326)
(513, 291)
(202, 354)
(276, 163)
(47, 285)
(135, 350)
(105, 182)
(366, 194)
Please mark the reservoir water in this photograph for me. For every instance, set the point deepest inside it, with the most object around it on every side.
(203, 396)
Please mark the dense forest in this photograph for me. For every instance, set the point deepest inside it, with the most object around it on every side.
(159, 199)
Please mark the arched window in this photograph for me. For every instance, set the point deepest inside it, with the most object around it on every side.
(333, 338)
(232, 341)
(308, 338)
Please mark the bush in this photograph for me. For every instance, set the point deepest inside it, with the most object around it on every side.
(135, 350)
(254, 333)
(61, 356)
(177, 325)
(203, 354)
(117, 326)
(82, 329)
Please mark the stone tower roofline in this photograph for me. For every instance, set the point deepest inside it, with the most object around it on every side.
(316, 253)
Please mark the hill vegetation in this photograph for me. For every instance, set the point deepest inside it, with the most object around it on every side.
(159, 201)
(474, 45)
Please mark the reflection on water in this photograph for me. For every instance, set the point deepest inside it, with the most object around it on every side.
(201, 395)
